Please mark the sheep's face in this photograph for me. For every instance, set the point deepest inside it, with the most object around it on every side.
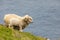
(28, 19)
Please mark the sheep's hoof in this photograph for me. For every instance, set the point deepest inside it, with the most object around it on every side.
(21, 30)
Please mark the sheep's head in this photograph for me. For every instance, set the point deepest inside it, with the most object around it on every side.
(28, 19)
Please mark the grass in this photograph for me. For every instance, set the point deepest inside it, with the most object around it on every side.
(9, 34)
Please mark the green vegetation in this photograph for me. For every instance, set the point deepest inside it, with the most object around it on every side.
(10, 34)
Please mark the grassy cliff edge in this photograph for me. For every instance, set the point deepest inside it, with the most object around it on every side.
(9, 34)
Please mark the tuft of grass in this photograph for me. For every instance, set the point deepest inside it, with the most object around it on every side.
(10, 34)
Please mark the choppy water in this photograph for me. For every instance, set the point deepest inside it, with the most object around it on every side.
(45, 13)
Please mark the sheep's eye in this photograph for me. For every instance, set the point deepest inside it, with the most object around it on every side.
(30, 19)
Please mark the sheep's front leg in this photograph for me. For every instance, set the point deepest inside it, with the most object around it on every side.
(20, 29)
(9, 25)
(6, 25)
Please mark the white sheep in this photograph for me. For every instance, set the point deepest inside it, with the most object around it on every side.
(18, 21)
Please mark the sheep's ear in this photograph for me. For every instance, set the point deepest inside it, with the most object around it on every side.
(26, 15)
